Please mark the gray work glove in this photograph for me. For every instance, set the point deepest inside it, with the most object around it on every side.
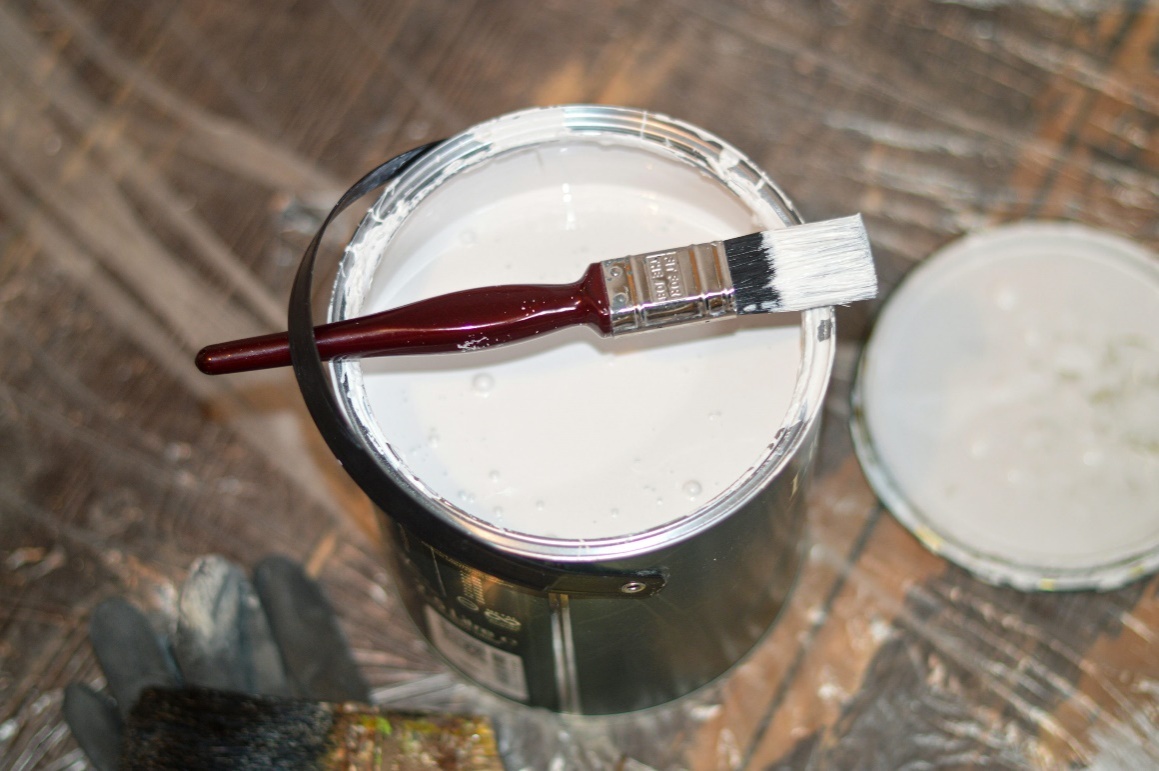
(277, 637)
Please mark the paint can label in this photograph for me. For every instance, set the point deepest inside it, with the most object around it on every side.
(482, 625)
(496, 669)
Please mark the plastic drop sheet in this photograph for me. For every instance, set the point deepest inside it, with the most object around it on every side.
(163, 165)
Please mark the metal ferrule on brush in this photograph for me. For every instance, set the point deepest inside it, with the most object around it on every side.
(675, 286)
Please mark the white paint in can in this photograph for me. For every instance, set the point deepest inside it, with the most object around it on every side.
(573, 436)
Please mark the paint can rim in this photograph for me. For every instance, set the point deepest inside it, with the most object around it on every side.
(596, 123)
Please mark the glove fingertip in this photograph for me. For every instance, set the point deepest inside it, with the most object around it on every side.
(315, 652)
(130, 652)
(92, 717)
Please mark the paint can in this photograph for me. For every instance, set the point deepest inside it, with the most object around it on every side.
(582, 622)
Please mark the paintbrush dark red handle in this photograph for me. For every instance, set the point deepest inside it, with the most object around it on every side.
(460, 321)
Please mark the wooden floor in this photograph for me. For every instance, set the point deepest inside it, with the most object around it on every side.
(163, 163)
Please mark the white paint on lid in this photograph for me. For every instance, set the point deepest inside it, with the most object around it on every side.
(1007, 406)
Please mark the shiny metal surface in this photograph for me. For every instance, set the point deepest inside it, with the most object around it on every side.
(675, 286)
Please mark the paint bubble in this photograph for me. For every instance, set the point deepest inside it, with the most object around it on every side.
(540, 506)
(1005, 297)
(482, 383)
(1092, 458)
(692, 488)
(433, 439)
(493, 476)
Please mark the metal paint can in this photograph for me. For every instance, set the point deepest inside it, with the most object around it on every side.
(591, 626)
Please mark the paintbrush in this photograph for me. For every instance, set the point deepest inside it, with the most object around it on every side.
(207, 729)
(789, 269)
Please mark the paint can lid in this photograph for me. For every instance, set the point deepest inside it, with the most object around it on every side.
(1006, 408)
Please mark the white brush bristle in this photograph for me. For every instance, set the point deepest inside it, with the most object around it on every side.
(818, 264)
